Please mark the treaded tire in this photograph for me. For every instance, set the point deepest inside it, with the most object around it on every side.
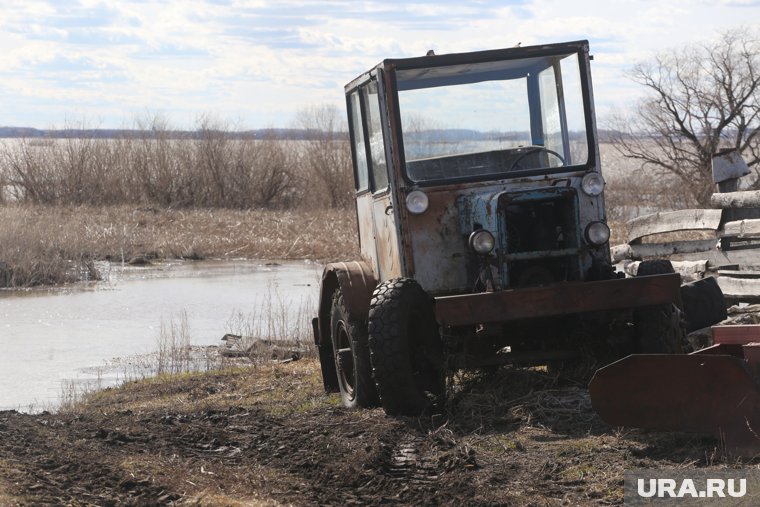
(327, 365)
(351, 356)
(405, 348)
(659, 328)
(703, 303)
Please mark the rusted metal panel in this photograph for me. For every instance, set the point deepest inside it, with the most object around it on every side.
(437, 244)
(700, 393)
(751, 352)
(386, 238)
(558, 299)
(357, 282)
(367, 244)
(713, 391)
(736, 334)
(672, 221)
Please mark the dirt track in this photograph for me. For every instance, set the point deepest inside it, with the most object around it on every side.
(269, 436)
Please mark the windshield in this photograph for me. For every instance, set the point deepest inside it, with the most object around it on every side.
(502, 118)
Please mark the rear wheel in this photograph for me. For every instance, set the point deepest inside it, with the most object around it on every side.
(659, 328)
(351, 356)
(405, 348)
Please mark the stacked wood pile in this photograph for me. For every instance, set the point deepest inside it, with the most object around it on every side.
(723, 241)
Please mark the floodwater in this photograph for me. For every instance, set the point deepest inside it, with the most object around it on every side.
(53, 339)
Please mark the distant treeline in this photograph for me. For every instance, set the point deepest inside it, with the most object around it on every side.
(269, 133)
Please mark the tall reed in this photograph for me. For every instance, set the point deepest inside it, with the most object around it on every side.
(217, 167)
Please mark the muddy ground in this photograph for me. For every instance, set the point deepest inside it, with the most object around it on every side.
(268, 435)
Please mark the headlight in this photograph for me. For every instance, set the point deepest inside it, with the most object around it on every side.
(592, 184)
(416, 202)
(482, 241)
(597, 233)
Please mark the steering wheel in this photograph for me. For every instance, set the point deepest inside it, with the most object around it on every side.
(534, 149)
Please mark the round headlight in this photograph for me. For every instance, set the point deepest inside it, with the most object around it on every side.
(592, 184)
(416, 202)
(597, 233)
(482, 241)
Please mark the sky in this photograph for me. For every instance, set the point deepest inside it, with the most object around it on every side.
(256, 63)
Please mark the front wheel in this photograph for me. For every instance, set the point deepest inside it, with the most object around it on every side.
(352, 364)
(405, 348)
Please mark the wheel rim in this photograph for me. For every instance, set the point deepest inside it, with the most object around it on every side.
(344, 360)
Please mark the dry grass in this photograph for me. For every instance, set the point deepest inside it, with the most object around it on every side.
(52, 245)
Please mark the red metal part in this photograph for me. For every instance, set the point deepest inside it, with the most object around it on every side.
(714, 391)
(736, 334)
(557, 299)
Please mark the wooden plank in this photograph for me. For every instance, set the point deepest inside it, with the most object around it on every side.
(689, 270)
(739, 274)
(744, 199)
(621, 252)
(672, 221)
(648, 250)
(739, 287)
(742, 228)
(747, 259)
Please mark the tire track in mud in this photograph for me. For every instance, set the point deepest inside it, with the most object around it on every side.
(326, 457)
(61, 474)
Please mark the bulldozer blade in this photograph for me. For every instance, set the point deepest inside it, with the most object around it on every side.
(706, 394)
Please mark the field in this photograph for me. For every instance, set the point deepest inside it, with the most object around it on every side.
(268, 435)
(45, 245)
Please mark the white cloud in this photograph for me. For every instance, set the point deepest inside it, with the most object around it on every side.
(260, 60)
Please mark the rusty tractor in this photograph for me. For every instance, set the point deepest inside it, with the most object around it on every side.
(481, 220)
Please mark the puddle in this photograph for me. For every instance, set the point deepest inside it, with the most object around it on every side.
(52, 338)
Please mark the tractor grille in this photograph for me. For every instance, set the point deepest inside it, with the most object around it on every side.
(542, 237)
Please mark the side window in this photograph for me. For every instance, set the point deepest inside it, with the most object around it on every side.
(360, 152)
(375, 134)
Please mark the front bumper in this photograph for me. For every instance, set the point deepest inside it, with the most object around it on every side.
(559, 299)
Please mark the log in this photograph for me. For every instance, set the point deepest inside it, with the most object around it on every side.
(689, 270)
(648, 250)
(739, 287)
(730, 200)
(621, 252)
(742, 229)
(672, 221)
(747, 259)
(735, 273)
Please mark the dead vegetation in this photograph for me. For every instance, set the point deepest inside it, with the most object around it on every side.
(217, 166)
(44, 245)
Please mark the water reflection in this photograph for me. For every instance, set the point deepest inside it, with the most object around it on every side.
(50, 336)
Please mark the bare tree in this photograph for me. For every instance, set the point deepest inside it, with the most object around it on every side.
(702, 99)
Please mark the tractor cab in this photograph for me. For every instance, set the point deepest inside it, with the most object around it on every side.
(481, 222)
(479, 170)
